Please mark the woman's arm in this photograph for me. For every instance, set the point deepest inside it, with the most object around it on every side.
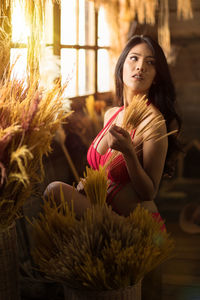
(145, 177)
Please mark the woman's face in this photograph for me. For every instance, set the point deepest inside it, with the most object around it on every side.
(139, 70)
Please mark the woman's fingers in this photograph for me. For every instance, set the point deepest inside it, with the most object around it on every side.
(118, 132)
(119, 139)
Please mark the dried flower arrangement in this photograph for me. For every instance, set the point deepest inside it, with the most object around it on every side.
(102, 250)
(29, 118)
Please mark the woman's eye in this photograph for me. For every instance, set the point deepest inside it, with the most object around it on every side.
(151, 62)
(133, 58)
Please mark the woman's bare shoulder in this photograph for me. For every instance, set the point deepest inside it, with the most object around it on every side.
(155, 111)
(109, 113)
(156, 120)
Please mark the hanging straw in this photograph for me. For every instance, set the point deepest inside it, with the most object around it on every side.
(184, 9)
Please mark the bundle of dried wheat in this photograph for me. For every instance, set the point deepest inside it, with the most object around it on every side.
(138, 111)
(29, 119)
(95, 185)
(5, 42)
(102, 250)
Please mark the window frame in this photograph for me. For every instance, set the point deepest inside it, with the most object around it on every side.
(57, 46)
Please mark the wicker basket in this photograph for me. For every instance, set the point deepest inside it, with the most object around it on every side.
(129, 293)
(9, 264)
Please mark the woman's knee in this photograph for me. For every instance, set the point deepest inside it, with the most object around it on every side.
(53, 189)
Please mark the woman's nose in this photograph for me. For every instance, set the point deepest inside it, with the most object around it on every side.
(140, 67)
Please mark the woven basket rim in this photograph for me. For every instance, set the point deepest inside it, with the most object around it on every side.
(102, 292)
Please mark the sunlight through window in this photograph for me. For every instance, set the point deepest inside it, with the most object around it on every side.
(48, 24)
(20, 30)
(86, 72)
(85, 66)
(86, 23)
(68, 22)
(78, 29)
(18, 57)
(103, 71)
(103, 31)
(82, 22)
(68, 70)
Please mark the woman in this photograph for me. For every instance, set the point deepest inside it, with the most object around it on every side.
(141, 70)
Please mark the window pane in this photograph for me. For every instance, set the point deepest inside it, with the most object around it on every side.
(86, 23)
(68, 70)
(103, 71)
(68, 22)
(48, 25)
(103, 29)
(49, 67)
(20, 30)
(86, 72)
(19, 58)
(82, 22)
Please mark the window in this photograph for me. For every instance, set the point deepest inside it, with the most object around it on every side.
(77, 34)
(84, 46)
(20, 34)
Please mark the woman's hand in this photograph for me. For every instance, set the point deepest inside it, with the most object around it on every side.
(80, 186)
(119, 139)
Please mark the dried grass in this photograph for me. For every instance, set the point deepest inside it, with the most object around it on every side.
(95, 185)
(163, 27)
(5, 42)
(184, 9)
(34, 11)
(29, 118)
(100, 251)
(119, 13)
(134, 115)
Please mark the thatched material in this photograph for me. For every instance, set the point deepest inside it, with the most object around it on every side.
(120, 13)
(4, 5)
(9, 264)
(163, 27)
(184, 9)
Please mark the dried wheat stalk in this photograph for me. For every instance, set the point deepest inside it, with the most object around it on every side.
(29, 118)
(95, 185)
(102, 250)
(138, 111)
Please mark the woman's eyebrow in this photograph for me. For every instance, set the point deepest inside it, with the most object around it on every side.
(148, 56)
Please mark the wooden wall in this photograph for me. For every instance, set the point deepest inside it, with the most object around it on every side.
(185, 38)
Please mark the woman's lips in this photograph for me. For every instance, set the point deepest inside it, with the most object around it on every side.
(138, 77)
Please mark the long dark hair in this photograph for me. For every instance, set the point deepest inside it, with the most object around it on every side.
(161, 93)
